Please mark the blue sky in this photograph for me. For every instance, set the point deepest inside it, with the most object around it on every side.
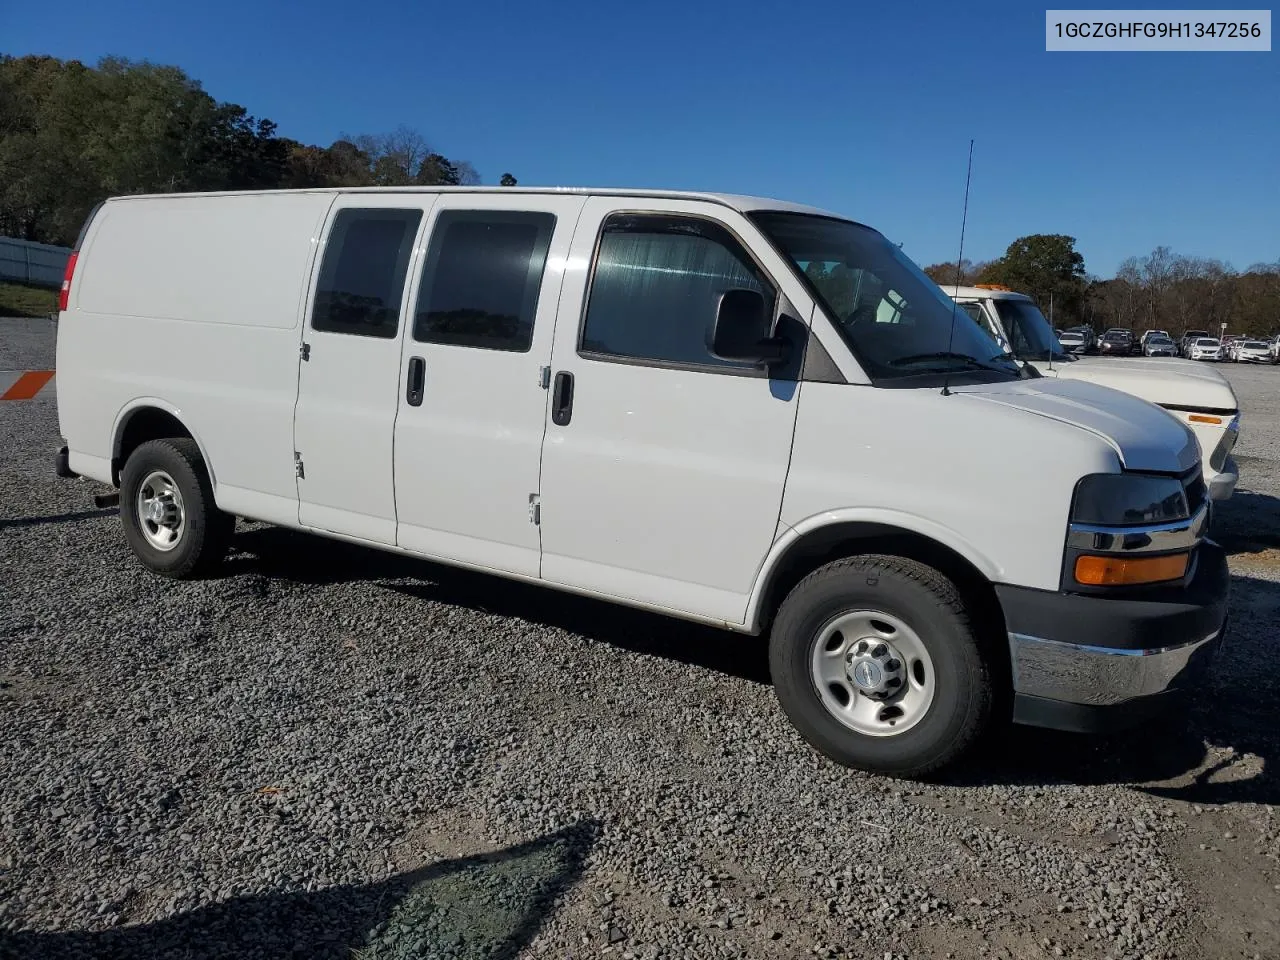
(865, 109)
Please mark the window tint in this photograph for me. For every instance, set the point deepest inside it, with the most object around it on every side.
(362, 276)
(658, 281)
(896, 320)
(481, 279)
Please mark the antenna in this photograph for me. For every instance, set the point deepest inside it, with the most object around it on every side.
(959, 262)
(1051, 329)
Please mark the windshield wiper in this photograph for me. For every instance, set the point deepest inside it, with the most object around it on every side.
(942, 355)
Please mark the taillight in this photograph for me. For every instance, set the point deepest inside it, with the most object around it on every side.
(64, 295)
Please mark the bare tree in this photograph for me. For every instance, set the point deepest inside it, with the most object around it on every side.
(1156, 272)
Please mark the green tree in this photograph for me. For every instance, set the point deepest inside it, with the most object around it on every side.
(507, 180)
(437, 170)
(71, 135)
(1044, 266)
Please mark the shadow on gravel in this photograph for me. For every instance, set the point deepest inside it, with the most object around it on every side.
(58, 518)
(1247, 523)
(1168, 757)
(286, 555)
(485, 906)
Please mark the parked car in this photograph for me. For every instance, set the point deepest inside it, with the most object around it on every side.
(1116, 342)
(599, 391)
(1148, 334)
(1274, 346)
(1188, 337)
(1074, 341)
(1206, 348)
(1251, 351)
(1200, 397)
(1159, 346)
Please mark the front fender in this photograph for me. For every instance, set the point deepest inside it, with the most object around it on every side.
(892, 519)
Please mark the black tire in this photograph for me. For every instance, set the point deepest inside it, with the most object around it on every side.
(930, 604)
(206, 532)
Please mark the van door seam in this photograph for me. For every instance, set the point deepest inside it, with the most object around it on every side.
(546, 394)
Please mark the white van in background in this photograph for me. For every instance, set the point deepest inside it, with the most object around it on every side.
(1200, 397)
(738, 411)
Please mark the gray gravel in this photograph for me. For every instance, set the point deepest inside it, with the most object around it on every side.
(26, 344)
(331, 752)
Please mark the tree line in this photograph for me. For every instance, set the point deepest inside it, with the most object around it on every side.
(1163, 290)
(71, 135)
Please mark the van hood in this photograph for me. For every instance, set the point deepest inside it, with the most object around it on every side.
(1178, 383)
(1143, 436)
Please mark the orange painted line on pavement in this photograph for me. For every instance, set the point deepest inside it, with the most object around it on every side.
(28, 385)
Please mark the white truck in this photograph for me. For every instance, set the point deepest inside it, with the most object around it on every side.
(739, 411)
(1197, 395)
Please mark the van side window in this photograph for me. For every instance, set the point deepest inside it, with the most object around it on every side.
(657, 283)
(980, 317)
(481, 278)
(362, 275)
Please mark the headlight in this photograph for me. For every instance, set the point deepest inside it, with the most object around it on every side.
(1127, 499)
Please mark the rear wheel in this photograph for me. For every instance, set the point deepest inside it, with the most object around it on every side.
(167, 507)
(876, 662)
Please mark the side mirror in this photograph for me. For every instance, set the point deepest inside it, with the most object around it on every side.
(742, 331)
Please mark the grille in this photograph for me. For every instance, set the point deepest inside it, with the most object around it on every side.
(1194, 487)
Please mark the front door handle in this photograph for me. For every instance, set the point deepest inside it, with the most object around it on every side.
(562, 399)
(417, 380)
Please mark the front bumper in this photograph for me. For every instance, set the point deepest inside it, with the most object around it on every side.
(1222, 483)
(1092, 663)
(1216, 441)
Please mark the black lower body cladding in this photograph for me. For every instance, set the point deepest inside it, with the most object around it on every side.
(1089, 663)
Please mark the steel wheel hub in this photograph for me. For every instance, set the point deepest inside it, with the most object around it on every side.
(162, 516)
(872, 672)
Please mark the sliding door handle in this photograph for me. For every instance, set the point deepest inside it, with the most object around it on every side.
(416, 381)
(562, 399)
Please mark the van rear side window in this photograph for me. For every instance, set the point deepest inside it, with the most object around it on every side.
(362, 276)
(481, 278)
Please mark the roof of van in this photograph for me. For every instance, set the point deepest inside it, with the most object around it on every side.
(741, 203)
(981, 293)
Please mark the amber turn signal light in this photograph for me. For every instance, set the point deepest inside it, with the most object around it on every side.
(1127, 571)
(1204, 418)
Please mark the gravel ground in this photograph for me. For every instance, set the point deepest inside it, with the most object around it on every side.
(331, 752)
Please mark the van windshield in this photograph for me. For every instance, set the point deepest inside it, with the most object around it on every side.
(897, 321)
(1029, 333)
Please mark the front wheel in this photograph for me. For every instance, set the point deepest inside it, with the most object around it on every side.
(876, 662)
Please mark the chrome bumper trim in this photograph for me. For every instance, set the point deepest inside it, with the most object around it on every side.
(1097, 676)
(1159, 537)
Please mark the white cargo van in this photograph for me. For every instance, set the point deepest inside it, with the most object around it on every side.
(1201, 398)
(737, 411)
